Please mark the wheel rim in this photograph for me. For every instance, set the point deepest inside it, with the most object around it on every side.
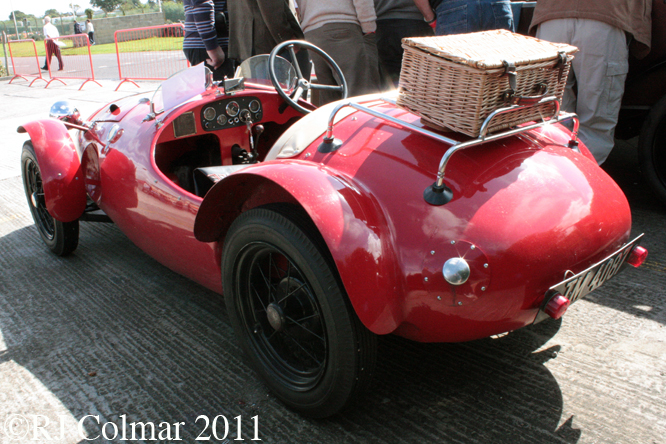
(281, 316)
(35, 191)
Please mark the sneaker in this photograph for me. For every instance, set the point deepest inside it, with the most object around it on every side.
(44, 68)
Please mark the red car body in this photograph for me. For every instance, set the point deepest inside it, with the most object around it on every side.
(527, 211)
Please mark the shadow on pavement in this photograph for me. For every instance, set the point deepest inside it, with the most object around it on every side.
(110, 332)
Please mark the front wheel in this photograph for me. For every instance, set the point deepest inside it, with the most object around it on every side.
(652, 149)
(291, 314)
(60, 237)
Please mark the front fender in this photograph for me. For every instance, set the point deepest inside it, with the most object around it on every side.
(60, 168)
(348, 217)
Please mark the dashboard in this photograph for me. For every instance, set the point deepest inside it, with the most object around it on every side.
(231, 112)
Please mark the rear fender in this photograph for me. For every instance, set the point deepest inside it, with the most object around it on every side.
(348, 218)
(60, 168)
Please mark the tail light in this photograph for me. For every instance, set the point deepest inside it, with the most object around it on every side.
(557, 305)
(637, 256)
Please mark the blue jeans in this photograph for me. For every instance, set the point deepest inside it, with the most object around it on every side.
(461, 16)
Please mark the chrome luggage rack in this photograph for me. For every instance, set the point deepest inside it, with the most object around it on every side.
(438, 193)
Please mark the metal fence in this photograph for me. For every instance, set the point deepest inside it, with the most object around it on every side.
(150, 53)
(74, 59)
(25, 62)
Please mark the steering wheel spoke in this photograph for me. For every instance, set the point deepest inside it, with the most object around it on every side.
(298, 92)
(323, 87)
(296, 65)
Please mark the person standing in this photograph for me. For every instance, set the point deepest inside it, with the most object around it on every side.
(207, 36)
(605, 32)
(90, 29)
(345, 30)
(397, 19)
(51, 32)
(257, 26)
(462, 16)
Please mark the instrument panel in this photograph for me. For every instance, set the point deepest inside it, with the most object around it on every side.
(231, 112)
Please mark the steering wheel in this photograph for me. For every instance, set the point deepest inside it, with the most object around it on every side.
(303, 84)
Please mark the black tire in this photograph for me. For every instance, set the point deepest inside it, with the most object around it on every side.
(61, 237)
(652, 149)
(313, 353)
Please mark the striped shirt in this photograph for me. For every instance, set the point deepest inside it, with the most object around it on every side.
(200, 24)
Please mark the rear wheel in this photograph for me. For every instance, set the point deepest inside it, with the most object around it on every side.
(652, 149)
(291, 315)
(61, 237)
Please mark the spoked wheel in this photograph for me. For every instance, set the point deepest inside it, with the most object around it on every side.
(61, 237)
(652, 149)
(292, 316)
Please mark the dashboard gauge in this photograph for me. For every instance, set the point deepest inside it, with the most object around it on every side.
(255, 106)
(232, 109)
(221, 119)
(209, 113)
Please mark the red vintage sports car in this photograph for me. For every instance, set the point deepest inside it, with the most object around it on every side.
(324, 228)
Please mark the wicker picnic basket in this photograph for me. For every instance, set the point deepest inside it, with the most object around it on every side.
(456, 81)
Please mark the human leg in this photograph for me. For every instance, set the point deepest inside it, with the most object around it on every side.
(390, 33)
(58, 55)
(493, 14)
(600, 68)
(452, 17)
(344, 42)
(561, 31)
(49, 54)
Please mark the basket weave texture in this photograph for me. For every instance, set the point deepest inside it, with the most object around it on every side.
(456, 81)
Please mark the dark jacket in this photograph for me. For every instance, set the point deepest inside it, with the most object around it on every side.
(257, 26)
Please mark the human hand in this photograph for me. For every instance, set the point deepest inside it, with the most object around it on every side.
(217, 57)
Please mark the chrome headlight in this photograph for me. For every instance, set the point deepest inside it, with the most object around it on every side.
(65, 111)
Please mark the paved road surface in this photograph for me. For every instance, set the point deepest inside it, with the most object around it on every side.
(161, 63)
(110, 332)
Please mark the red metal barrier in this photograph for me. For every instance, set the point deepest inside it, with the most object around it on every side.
(24, 60)
(151, 53)
(74, 59)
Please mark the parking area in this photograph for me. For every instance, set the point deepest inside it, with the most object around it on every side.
(93, 343)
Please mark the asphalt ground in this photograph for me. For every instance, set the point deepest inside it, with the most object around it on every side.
(105, 66)
(111, 333)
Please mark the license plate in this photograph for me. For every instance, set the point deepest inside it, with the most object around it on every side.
(584, 282)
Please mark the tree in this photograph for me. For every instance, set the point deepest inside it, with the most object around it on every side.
(51, 13)
(106, 5)
(19, 15)
(126, 5)
(74, 8)
(89, 13)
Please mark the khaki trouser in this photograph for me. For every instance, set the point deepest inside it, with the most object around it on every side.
(598, 71)
(355, 54)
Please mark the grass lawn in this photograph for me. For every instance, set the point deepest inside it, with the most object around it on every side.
(151, 44)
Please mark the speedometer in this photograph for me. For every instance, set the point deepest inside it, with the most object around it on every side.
(232, 109)
(255, 106)
(209, 113)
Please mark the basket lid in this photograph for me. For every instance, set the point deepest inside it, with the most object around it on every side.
(489, 49)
